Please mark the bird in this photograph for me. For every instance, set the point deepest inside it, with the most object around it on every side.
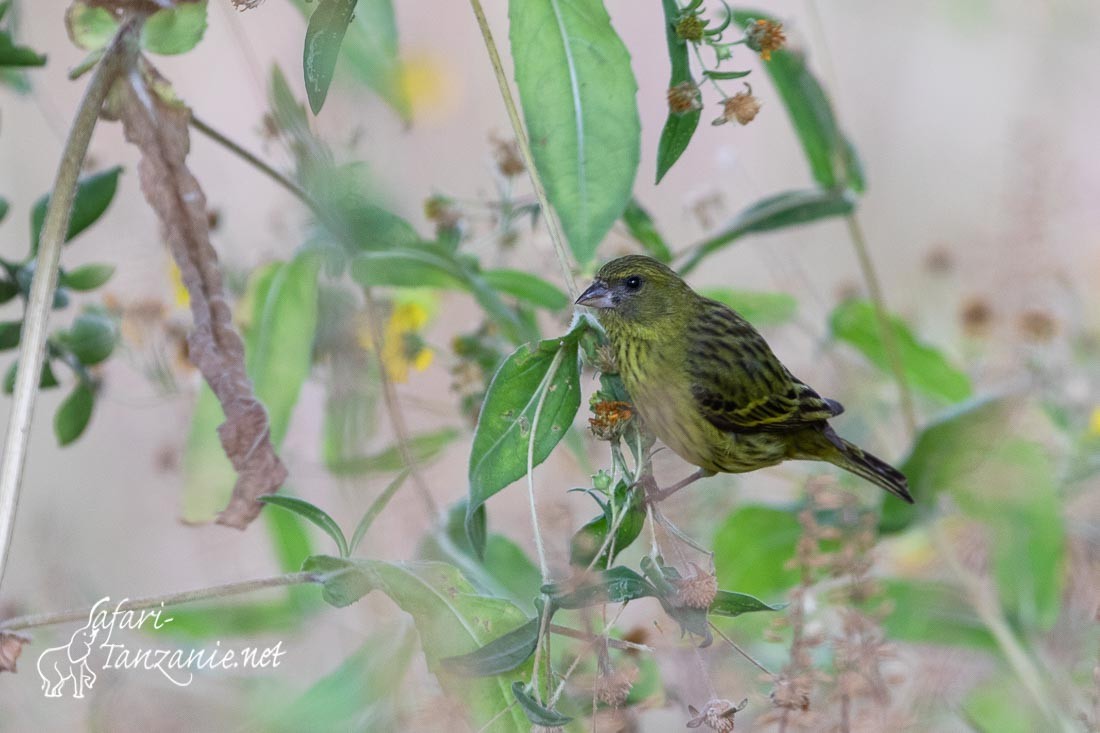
(706, 383)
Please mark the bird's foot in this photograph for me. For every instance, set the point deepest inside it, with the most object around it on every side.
(655, 495)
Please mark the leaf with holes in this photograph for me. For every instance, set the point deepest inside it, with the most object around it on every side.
(528, 408)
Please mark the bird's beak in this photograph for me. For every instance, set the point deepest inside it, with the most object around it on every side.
(598, 295)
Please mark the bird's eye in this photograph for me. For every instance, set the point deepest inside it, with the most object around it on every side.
(633, 282)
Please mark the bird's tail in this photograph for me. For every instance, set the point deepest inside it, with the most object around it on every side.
(852, 458)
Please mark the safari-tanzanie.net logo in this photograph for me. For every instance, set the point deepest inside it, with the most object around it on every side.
(68, 669)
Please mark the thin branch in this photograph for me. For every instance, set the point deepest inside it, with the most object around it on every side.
(253, 160)
(117, 59)
(552, 225)
(171, 599)
(389, 394)
(613, 643)
(742, 652)
(889, 338)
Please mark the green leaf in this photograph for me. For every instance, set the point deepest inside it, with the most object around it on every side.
(422, 449)
(1002, 705)
(505, 570)
(926, 369)
(74, 413)
(528, 287)
(327, 26)
(948, 453)
(93, 195)
(87, 277)
(615, 585)
(528, 408)
(92, 338)
(12, 55)
(176, 29)
(363, 694)
(502, 654)
(423, 267)
(640, 225)
(710, 74)
(90, 28)
(536, 713)
(46, 380)
(375, 509)
(406, 268)
(8, 290)
(369, 52)
(9, 334)
(590, 538)
(678, 129)
(928, 612)
(728, 603)
(758, 308)
(787, 209)
(452, 620)
(278, 356)
(752, 548)
(577, 91)
(3, 208)
(830, 155)
(311, 513)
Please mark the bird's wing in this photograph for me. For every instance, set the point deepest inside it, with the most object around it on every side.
(738, 383)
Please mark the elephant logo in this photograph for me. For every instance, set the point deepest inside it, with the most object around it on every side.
(60, 664)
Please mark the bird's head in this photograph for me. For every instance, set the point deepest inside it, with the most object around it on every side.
(636, 291)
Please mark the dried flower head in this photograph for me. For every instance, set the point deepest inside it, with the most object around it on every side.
(684, 97)
(509, 161)
(741, 107)
(1037, 325)
(611, 418)
(442, 212)
(606, 361)
(764, 36)
(716, 715)
(690, 28)
(613, 687)
(976, 316)
(697, 590)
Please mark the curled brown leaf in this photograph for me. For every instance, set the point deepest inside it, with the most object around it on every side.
(11, 646)
(158, 125)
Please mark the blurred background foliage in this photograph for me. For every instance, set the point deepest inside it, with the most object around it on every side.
(408, 327)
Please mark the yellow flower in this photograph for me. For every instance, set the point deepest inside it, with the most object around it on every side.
(182, 297)
(402, 347)
(429, 84)
(1094, 422)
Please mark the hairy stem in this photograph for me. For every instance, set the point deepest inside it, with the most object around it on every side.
(116, 60)
(552, 226)
(171, 599)
(889, 338)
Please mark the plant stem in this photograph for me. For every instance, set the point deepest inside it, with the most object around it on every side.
(255, 162)
(393, 407)
(525, 152)
(889, 338)
(117, 59)
(171, 599)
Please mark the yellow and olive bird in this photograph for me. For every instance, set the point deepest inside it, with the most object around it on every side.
(707, 384)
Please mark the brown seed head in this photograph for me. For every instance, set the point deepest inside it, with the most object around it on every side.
(614, 687)
(684, 98)
(1037, 325)
(976, 316)
(741, 107)
(697, 590)
(509, 160)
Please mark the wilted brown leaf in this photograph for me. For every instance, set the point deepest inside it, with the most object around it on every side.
(158, 127)
(11, 646)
